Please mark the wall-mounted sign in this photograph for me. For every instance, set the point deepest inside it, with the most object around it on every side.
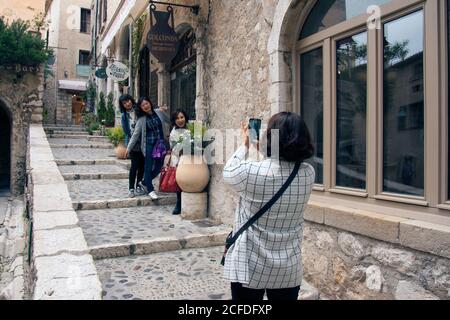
(117, 71)
(162, 40)
(101, 73)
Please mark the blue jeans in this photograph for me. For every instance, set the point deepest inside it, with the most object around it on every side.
(152, 167)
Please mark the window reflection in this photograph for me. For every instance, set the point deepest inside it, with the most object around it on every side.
(312, 104)
(403, 140)
(327, 13)
(351, 112)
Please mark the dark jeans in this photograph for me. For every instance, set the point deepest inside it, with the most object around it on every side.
(137, 168)
(238, 292)
(152, 167)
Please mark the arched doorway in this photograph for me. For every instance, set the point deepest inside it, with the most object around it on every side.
(5, 150)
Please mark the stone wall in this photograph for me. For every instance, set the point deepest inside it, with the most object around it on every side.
(21, 94)
(344, 265)
(63, 108)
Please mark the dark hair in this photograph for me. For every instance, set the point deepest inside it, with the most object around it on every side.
(174, 116)
(294, 137)
(122, 99)
(139, 111)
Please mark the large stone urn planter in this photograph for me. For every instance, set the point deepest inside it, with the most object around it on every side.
(192, 174)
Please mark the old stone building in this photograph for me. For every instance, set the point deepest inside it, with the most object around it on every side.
(69, 35)
(370, 79)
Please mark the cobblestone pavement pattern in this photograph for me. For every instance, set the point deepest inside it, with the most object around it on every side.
(90, 190)
(97, 169)
(194, 274)
(141, 223)
(82, 154)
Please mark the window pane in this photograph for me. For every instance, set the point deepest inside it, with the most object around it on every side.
(312, 104)
(403, 145)
(351, 93)
(327, 13)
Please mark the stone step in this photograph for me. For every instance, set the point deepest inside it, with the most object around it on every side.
(84, 146)
(93, 172)
(82, 136)
(144, 230)
(164, 199)
(64, 127)
(75, 154)
(190, 274)
(193, 274)
(86, 162)
(68, 133)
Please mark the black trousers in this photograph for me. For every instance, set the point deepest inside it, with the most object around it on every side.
(238, 292)
(137, 168)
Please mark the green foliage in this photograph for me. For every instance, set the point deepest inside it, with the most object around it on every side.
(90, 121)
(136, 37)
(101, 111)
(116, 135)
(18, 46)
(110, 111)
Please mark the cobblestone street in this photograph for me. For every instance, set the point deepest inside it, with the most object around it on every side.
(142, 251)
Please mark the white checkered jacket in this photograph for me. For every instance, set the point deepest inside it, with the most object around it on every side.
(268, 254)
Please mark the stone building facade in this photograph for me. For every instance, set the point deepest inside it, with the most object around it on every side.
(388, 239)
(69, 35)
(21, 95)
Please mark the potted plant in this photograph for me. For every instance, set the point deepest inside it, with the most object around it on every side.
(192, 172)
(117, 137)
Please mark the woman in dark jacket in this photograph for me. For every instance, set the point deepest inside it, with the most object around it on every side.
(127, 106)
(149, 130)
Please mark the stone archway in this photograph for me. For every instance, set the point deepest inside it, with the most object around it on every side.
(5, 149)
(288, 18)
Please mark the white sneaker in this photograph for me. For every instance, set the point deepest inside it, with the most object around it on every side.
(153, 195)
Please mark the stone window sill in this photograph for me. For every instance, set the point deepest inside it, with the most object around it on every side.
(413, 233)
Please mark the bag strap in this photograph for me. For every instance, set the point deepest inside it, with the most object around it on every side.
(266, 207)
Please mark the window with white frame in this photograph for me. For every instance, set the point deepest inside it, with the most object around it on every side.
(362, 92)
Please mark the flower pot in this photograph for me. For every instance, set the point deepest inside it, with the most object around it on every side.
(192, 174)
(120, 151)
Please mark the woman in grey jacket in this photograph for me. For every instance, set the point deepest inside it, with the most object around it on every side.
(148, 131)
(266, 258)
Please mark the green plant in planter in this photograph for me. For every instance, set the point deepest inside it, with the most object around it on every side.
(101, 111)
(110, 111)
(90, 122)
(116, 135)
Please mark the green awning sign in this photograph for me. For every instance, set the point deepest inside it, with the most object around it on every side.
(101, 73)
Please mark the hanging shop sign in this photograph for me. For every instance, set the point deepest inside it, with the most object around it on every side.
(117, 71)
(101, 73)
(162, 40)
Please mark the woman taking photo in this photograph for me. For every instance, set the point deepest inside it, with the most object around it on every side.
(148, 131)
(266, 257)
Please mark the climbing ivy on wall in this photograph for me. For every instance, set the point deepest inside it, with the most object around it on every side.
(138, 31)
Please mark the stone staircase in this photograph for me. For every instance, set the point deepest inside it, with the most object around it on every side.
(141, 250)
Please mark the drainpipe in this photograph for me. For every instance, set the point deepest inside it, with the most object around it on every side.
(130, 59)
(95, 31)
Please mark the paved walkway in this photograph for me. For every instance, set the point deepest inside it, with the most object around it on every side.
(142, 251)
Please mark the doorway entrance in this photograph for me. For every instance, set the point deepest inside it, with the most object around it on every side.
(5, 150)
(78, 106)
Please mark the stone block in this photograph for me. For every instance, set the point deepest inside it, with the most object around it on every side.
(54, 197)
(350, 245)
(410, 291)
(374, 279)
(41, 177)
(64, 266)
(398, 259)
(365, 223)
(426, 236)
(54, 219)
(51, 242)
(110, 251)
(314, 213)
(86, 288)
(194, 206)
(157, 245)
